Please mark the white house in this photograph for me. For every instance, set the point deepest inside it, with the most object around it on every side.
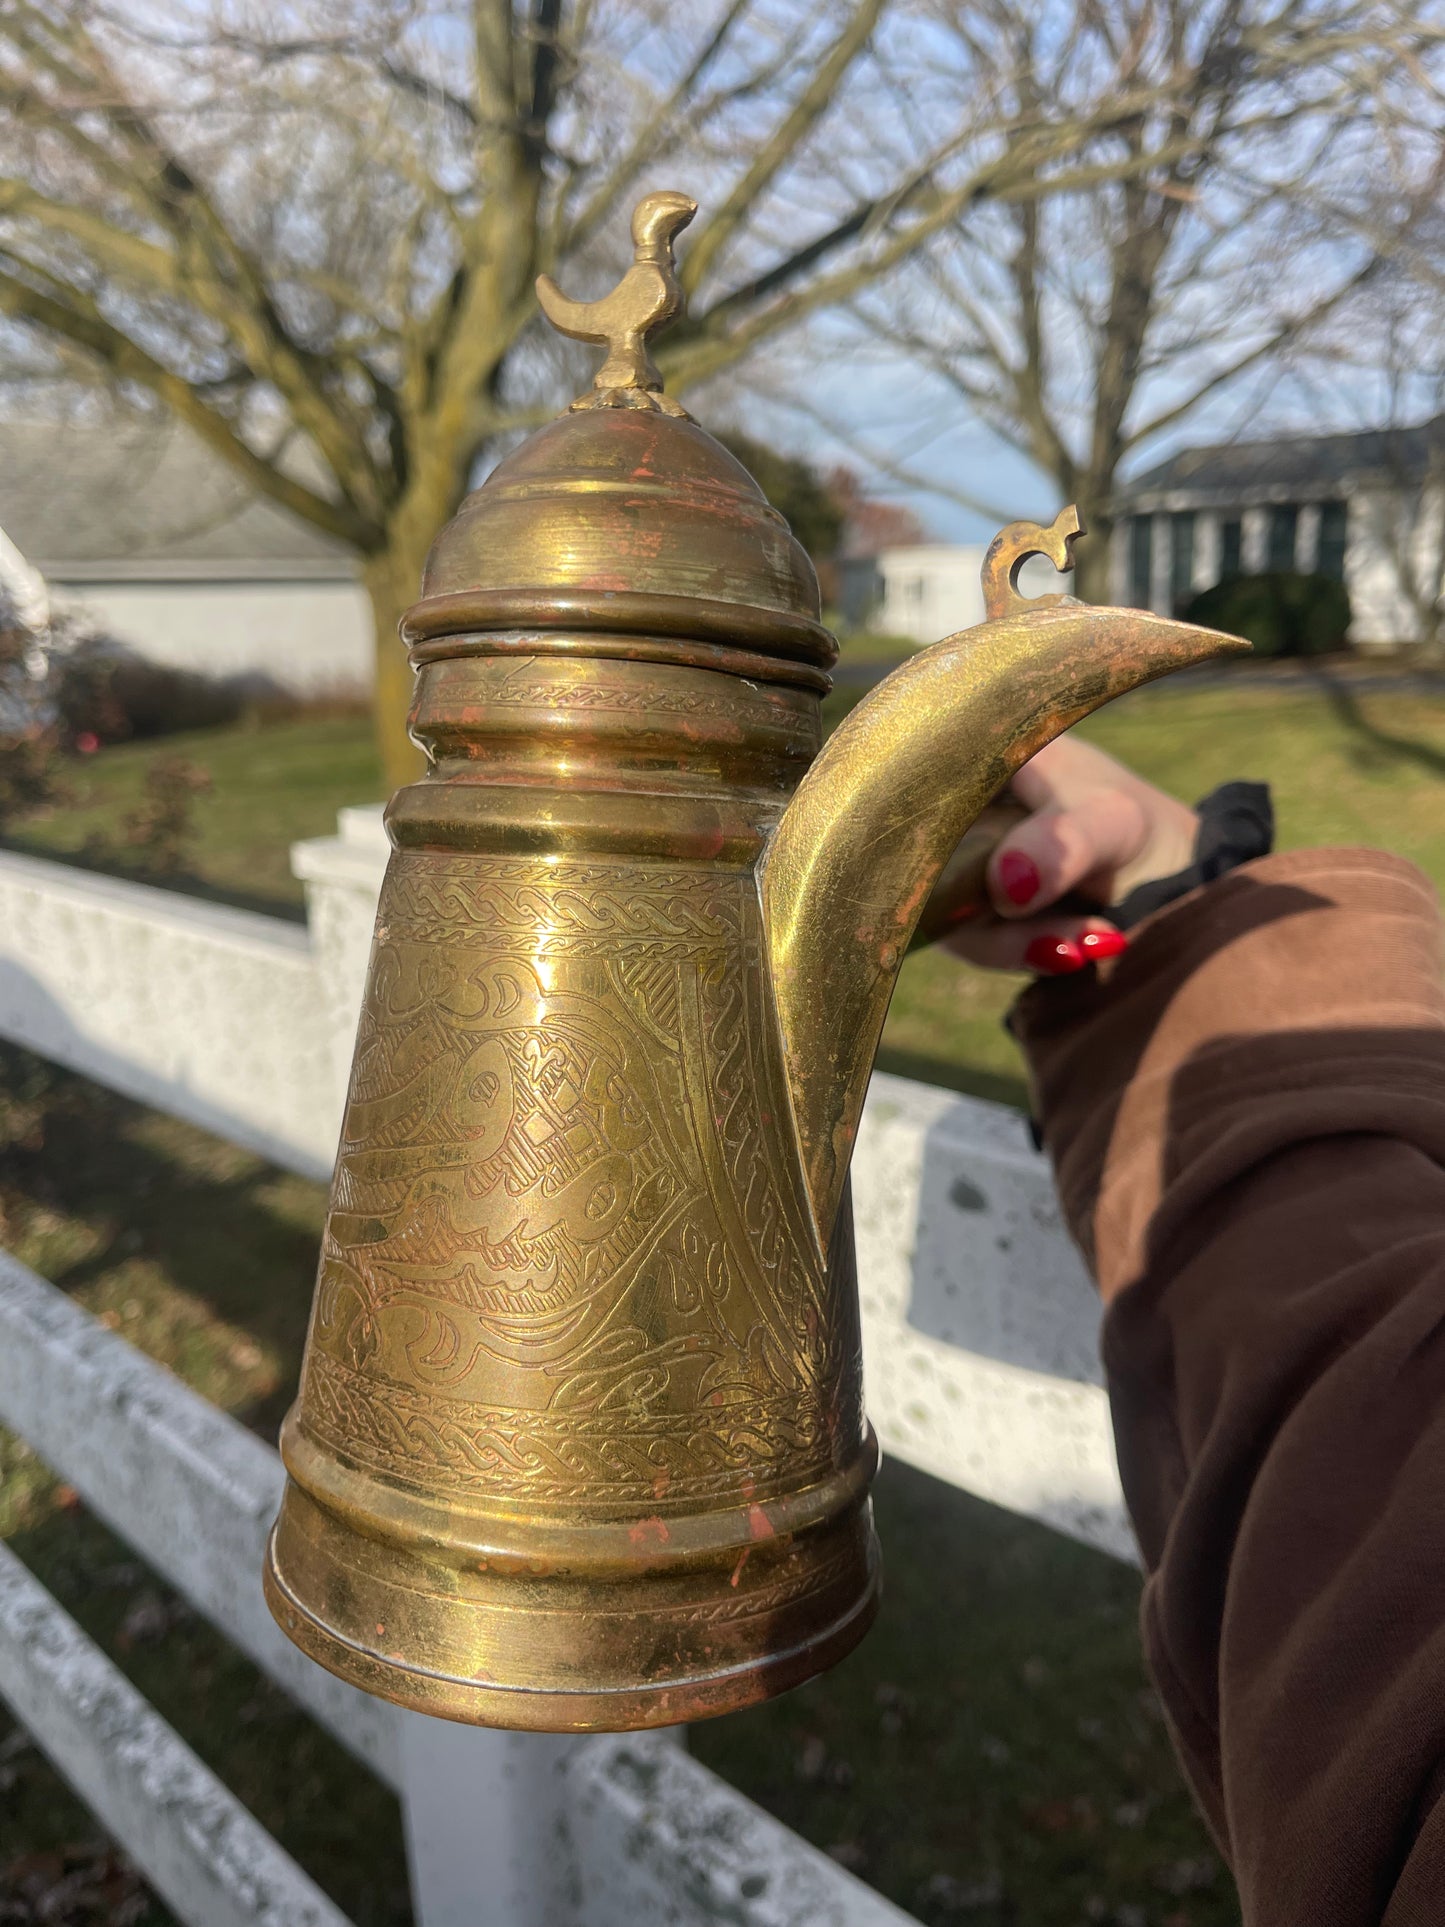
(178, 557)
(1367, 509)
(926, 591)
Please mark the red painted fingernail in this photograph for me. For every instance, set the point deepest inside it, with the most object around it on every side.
(1054, 956)
(1099, 944)
(1019, 876)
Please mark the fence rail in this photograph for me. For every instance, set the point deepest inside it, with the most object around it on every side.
(980, 1366)
(200, 1848)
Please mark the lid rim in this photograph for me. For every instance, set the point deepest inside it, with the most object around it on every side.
(620, 611)
(676, 652)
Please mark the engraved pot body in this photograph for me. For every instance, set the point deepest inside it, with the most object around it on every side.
(579, 1440)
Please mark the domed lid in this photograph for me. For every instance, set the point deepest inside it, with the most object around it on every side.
(623, 517)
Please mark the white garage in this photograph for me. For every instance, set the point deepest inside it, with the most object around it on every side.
(177, 557)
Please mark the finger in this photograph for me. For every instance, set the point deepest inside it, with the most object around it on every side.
(1055, 851)
(1062, 771)
(1049, 946)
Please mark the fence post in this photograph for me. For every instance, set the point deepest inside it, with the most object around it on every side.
(489, 1819)
(486, 1826)
(342, 877)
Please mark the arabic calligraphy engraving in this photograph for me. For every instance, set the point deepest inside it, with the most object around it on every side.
(558, 1263)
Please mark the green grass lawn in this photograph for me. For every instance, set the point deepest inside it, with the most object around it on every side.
(992, 1753)
(270, 786)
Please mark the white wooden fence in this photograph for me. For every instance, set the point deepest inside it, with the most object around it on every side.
(981, 1368)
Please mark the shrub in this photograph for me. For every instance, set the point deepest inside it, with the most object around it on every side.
(30, 778)
(161, 833)
(29, 752)
(112, 694)
(158, 837)
(1281, 614)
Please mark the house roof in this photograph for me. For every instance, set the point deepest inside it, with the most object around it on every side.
(134, 500)
(1312, 465)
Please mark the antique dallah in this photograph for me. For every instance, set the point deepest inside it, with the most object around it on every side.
(580, 1438)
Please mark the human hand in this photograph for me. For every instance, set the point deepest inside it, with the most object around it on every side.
(1095, 832)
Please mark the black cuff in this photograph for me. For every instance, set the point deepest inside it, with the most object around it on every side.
(1236, 825)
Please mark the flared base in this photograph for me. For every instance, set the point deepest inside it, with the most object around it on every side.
(524, 1644)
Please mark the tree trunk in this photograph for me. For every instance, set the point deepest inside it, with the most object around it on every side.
(393, 582)
(1093, 574)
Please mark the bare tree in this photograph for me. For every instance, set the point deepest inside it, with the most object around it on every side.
(1082, 324)
(310, 229)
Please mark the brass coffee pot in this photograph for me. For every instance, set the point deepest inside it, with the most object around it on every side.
(580, 1438)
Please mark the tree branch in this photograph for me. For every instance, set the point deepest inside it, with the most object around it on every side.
(77, 320)
(139, 261)
(1287, 331)
(231, 285)
(1009, 177)
(782, 143)
(604, 198)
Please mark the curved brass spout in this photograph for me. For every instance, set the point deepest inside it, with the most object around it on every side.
(872, 824)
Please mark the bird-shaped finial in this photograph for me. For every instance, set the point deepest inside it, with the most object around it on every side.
(641, 305)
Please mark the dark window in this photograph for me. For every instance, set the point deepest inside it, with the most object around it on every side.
(1181, 556)
(1231, 547)
(860, 589)
(1330, 556)
(1141, 558)
(1283, 527)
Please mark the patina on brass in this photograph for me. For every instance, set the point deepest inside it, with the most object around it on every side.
(580, 1439)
